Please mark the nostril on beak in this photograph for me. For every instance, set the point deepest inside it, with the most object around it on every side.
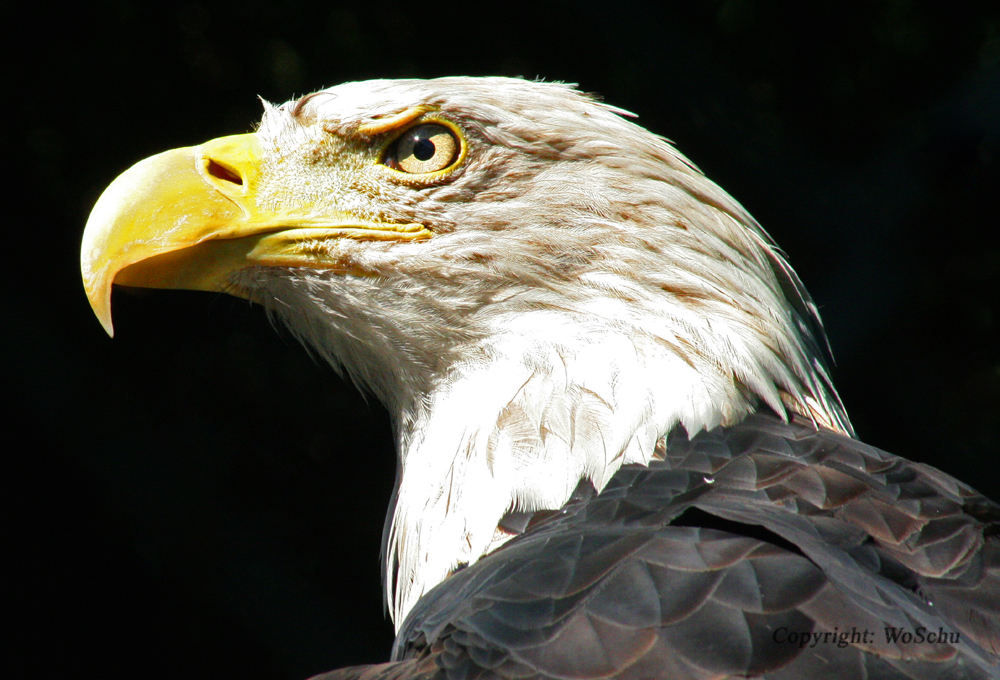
(220, 171)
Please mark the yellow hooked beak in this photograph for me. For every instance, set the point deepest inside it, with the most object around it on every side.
(189, 218)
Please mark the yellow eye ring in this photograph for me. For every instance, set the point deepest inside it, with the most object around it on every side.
(429, 147)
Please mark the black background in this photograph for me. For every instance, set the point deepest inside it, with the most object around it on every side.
(199, 499)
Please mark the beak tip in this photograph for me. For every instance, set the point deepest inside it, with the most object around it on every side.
(99, 297)
(108, 327)
(103, 314)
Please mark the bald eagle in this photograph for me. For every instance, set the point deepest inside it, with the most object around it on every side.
(620, 451)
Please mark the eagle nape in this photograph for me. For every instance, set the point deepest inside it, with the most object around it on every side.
(620, 451)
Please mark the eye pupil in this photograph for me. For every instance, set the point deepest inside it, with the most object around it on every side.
(423, 149)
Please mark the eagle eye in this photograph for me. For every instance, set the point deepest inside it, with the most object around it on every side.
(424, 148)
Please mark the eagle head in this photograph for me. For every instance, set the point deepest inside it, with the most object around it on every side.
(537, 288)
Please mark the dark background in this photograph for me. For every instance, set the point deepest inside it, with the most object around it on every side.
(198, 499)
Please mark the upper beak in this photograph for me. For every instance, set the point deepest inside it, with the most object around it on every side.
(199, 199)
